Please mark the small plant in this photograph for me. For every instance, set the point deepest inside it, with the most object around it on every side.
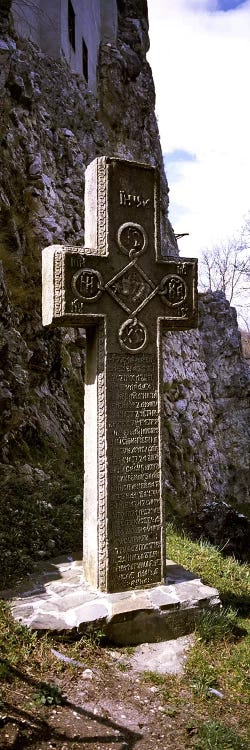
(218, 624)
(48, 695)
(154, 678)
(212, 735)
(123, 667)
(5, 672)
(17, 642)
(202, 675)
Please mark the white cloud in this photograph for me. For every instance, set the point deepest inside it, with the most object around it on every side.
(200, 60)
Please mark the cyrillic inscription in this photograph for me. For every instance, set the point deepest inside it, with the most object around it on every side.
(127, 199)
(135, 513)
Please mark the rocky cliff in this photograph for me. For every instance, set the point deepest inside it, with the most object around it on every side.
(51, 129)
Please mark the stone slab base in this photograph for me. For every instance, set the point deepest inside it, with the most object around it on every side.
(59, 599)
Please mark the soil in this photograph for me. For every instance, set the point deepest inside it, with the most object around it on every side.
(102, 708)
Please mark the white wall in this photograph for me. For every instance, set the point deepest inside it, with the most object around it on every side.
(50, 32)
(45, 22)
(88, 26)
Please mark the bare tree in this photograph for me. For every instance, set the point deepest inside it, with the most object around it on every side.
(226, 268)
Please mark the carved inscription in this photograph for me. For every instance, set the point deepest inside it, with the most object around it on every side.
(128, 199)
(132, 238)
(87, 284)
(135, 505)
(133, 335)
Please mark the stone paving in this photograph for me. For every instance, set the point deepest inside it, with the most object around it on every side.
(58, 599)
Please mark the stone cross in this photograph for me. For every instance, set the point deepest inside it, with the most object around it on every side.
(125, 293)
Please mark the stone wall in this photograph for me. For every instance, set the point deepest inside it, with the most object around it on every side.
(51, 129)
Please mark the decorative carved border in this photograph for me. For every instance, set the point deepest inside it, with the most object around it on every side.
(157, 232)
(101, 459)
(58, 283)
(102, 205)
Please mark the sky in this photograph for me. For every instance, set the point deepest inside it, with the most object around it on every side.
(200, 58)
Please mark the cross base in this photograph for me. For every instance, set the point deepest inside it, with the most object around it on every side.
(159, 613)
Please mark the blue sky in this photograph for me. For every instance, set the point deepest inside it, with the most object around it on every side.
(229, 4)
(200, 57)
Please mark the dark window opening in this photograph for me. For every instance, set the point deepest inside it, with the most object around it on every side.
(71, 25)
(84, 60)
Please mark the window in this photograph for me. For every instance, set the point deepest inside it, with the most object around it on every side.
(71, 25)
(84, 59)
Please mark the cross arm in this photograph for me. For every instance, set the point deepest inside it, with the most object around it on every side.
(72, 283)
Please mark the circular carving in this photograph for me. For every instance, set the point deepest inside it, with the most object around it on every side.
(132, 238)
(173, 290)
(87, 284)
(133, 335)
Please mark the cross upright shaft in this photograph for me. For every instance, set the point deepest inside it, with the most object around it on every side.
(124, 292)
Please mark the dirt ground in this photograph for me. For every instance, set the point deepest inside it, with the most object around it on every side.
(103, 708)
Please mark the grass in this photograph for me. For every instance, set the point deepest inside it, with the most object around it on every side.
(231, 578)
(215, 736)
(216, 682)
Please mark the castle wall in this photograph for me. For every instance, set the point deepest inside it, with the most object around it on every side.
(87, 27)
(46, 24)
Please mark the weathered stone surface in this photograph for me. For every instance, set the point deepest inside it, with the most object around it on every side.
(207, 442)
(126, 293)
(229, 377)
(131, 617)
(163, 658)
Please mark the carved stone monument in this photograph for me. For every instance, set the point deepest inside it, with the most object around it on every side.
(125, 293)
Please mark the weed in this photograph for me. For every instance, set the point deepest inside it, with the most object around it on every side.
(123, 667)
(128, 650)
(48, 695)
(212, 735)
(225, 573)
(201, 673)
(16, 641)
(5, 672)
(217, 624)
(153, 678)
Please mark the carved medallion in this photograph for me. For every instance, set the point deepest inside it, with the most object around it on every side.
(132, 239)
(133, 336)
(87, 284)
(173, 290)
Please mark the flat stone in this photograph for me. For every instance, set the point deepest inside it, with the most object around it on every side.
(167, 657)
(49, 621)
(158, 614)
(93, 612)
(163, 599)
(191, 592)
(176, 573)
(128, 607)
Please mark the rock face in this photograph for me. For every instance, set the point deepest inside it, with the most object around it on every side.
(207, 383)
(229, 377)
(51, 129)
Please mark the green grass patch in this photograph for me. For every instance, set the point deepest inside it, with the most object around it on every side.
(217, 624)
(212, 735)
(220, 658)
(154, 678)
(230, 577)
